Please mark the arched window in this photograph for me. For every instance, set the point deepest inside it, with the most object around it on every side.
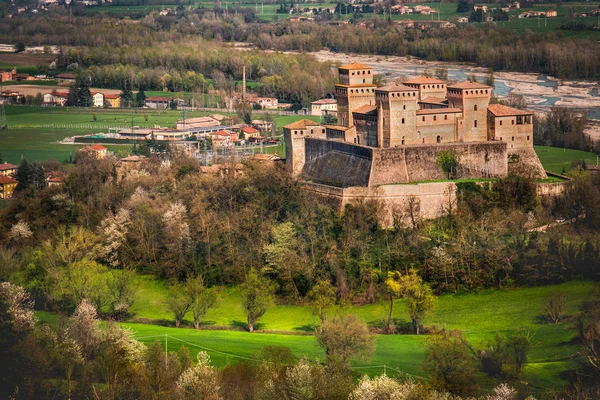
(475, 107)
(404, 107)
(475, 123)
(402, 120)
(439, 139)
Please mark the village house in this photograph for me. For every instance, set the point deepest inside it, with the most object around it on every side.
(551, 13)
(262, 125)
(97, 99)
(113, 100)
(489, 18)
(55, 180)
(249, 132)
(7, 169)
(55, 99)
(447, 25)
(220, 139)
(96, 151)
(481, 7)
(462, 20)
(66, 78)
(323, 107)
(7, 187)
(8, 75)
(158, 102)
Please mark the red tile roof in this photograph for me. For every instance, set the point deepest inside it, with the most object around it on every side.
(250, 130)
(499, 110)
(96, 147)
(325, 101)
(433, 100)
(302, 124)
(6, 166)
(112, 96)
(7, 179)
(158, 98)
(354, 66)
(366, 109)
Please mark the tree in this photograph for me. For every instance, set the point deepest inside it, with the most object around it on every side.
(441, 73)
(555, 306)
(322, 298)
(447, 161)
(280, 255)
(489, 79)
(450, 363)
(518, 347)
(126, 96)
(140, 99)
(200, 381)
(393, 290)
(257, 297)
(79, 93)
(202, 299)
(343, 338)
(178, 302)
(19, 47)
(30, 176)
(420, 298)
(329, 119)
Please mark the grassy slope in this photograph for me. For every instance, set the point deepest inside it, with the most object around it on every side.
(479, 315)
(554, 159)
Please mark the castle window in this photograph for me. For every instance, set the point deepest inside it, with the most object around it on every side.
(423, 119)
(477, 92)
(393, 94)
(527, 137)
(500, 137)
(439, 139)
(353, 73)
(500, 123)
(475, 107)
(435, 118)
(369, 72)
(475, 123)
(322, 130)
(295, 132)
(402, 141)
(513, 122)
(423, 140)
(363, 81)
(445, 117)
(404, 107)
(402, 120)
(513, 138)
(403, 94)
(486, 91)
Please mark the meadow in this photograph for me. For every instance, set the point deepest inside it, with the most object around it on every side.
(480, 315)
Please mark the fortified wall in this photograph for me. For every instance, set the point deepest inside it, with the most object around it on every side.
(342, 164)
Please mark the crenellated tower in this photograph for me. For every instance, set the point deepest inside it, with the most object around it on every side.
(473, 98)
(398, 114)
(355, 89)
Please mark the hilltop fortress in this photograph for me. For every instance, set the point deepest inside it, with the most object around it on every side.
(391, 136)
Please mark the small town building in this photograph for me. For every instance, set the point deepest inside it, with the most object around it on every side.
(7, 169)
(157, 102)
(97, 99)
(67, 78)
(200, 122)
(323, 107)
(8, 75)
(96, 151)
(7, 186)
(249, 132)
(113, 100)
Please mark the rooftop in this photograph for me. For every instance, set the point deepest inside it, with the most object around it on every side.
(423, 79)
(337, 127)
(469, 85)
(504, 111)
(433, 100)
(7, 179)
(354, 66)
(302, 124)
(396, 88)
(324, 101)
(439, 111)
(6, 166)
(96, 147)
(366, 109)
(158, 98)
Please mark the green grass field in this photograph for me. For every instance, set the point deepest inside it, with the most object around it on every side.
(480, 315)
(555, 159)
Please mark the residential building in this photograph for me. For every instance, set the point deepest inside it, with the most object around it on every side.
(96, 151)
(113, 100)
(97, 99)
(7, 169)
(323, 107)
(158, 102)
(7, 187)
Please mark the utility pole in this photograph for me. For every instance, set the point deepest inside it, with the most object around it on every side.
(3, 124)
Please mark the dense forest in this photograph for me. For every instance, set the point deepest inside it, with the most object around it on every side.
(494, 47)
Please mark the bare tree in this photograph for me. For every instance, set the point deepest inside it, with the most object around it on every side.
(555, 306)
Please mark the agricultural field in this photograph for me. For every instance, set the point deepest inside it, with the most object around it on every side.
(559, 160)
(34, 132)
(505, 311)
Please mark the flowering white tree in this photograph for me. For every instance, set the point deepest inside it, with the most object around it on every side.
(20, 306)
(21, 230)
(200, 381)
(114, 230)
(84, 328)
(381, 387)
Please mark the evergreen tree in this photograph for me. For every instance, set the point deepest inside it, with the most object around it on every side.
(22, 176)
(140, 98)
(126, 96)
(79, 94)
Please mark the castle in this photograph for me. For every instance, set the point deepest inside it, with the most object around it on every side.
(394, 134)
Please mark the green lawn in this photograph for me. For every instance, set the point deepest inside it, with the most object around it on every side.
(479, 315)
(554, 159)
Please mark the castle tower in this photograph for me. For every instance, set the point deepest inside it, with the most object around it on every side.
(398, 114)
(354, 90)
(294, 135)
(473, 98)
(428, 87)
